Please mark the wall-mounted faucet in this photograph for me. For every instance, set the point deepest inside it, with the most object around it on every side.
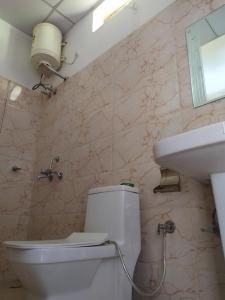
(49, 173)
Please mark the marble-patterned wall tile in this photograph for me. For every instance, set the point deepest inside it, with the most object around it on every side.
(11, 227)
(132, 147)
(93, 158)
(92, 126)
(211, 285)
(58, 226)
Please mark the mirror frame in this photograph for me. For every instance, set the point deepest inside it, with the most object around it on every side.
(194, 41)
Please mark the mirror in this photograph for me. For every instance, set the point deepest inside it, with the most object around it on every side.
(206, 52)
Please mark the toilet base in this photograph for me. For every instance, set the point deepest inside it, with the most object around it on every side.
(109, 283)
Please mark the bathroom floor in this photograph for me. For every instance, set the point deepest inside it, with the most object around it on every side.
(7, 293)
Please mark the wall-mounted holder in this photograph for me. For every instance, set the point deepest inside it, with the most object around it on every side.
(169, 182)
(16, 169)
(47, 69)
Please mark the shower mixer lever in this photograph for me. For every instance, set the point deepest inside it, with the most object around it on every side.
(49, 173)
(56, 159)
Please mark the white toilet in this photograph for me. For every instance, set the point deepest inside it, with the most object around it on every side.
(83, 266)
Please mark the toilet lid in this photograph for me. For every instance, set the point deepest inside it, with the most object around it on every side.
(76, 239)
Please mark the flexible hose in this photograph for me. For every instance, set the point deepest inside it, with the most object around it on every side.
(129, 277)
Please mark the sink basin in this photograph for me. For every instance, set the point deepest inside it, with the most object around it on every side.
(200, 154)
(197, 153)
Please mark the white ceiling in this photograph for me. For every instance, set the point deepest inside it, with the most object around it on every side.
(25, 14)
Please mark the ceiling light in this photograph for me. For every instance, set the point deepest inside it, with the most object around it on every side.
(106, 10)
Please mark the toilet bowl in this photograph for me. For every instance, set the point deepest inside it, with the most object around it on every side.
(83, 266)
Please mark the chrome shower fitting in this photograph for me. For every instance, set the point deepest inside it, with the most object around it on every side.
(56, 159)
(49, 173)
(168, 227)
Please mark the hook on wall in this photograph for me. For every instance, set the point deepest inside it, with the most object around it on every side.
(16, 169)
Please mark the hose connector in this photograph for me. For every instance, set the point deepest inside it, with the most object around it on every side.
(168, 227)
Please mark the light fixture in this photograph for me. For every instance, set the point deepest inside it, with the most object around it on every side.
(14, 94)
(106, 10)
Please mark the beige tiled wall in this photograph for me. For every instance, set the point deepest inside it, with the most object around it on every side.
(103, 123)
(17, 147)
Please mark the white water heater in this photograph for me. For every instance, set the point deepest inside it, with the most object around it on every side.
(46, 46)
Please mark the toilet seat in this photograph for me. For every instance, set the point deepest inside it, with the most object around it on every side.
(76, 247)
(76, 239)
(60, 254)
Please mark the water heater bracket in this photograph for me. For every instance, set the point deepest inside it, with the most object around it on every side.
(53, 71)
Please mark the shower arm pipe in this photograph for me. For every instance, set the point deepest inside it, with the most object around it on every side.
(53, 71)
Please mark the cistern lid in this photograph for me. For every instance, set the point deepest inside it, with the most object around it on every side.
(115, 188)
(76, 239)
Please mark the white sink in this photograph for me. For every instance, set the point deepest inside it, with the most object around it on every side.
(199, 153)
